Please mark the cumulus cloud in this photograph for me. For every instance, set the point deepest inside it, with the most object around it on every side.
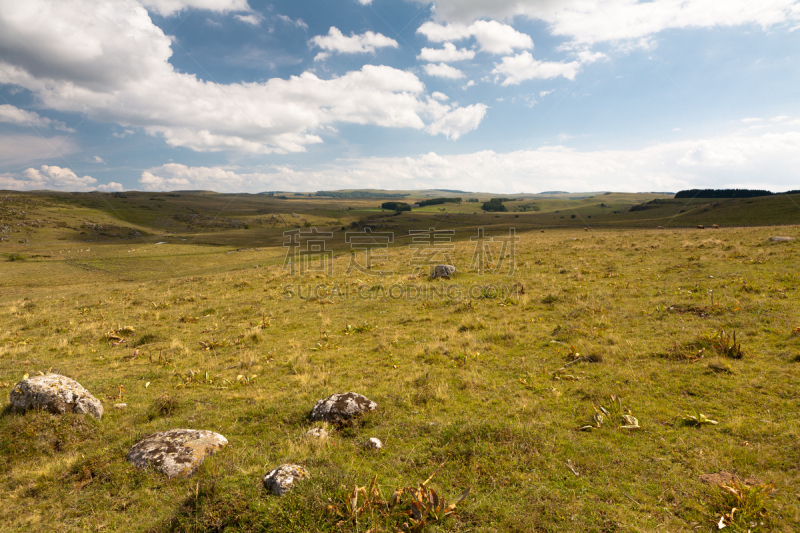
(448, 53)
(111, 186)
(21, 117)
(523, 67)
(459, 121)
(173, 176)
(616, 20)
(81, 58)
(492, 36)
(443, 71)
(367, 42)
(47, 177)
(168, 8)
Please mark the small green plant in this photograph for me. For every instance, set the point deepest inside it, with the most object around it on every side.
(147, 338)
(15, 257)
(350, 330)
(614, 413)
(698, 419)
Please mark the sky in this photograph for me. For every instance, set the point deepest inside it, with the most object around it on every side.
(506, 96)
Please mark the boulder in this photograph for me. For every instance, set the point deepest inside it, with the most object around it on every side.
(282, 479)
(443, 271)
(177, 452)
(781, 239)
(342, 406)
(55, 393)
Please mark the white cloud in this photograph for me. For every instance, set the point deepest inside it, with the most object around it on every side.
(252, 18)
(524, 67)
(446, 54)
(367, 42)
(762, 161)
(542, 94)
(458, 121)
(79, 59)
(21, 117)
(111, 186)
(167, 8)
(617, 20)
(365, 2)
(98, 159)
(440, 96)
(443, 71)
(492, 36)
(47, 177)
(300, 23)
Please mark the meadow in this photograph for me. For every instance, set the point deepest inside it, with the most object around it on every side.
(182, 306)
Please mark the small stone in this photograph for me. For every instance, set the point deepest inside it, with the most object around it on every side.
(443, 271)
(282, 479)
(781, 239)
(317, 433)
(120, 405)
(55, 393)
(342, 406)
(177, 452)
(374, 444)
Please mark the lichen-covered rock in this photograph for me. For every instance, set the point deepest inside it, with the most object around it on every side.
(282, 479)
(342, 406)
(781, 239)
(177, 452)
(55, 393)
(374, 444)
(317, 433)
(443, 271)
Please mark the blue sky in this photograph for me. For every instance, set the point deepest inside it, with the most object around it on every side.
(504, 95)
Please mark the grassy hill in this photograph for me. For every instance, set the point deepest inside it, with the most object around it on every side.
(491, 377)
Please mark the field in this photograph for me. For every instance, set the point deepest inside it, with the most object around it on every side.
(179, 305)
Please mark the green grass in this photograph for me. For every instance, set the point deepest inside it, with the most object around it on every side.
(480, 384)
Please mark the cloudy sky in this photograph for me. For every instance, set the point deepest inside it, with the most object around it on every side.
(478, 95)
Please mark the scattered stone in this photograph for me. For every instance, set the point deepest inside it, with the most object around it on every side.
(55, 393)
(177, 452)
(342, 406)
(120, 405)
(374, 444)
(443, 271)
(282, 479)
(781, 239)
(317, 433)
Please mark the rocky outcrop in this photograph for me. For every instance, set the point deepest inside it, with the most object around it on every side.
(55, 393)
(177, 452)
(282, 479)
(342, 406)
(781, 239)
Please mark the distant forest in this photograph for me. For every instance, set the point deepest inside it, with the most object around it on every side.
(727, 193)
(359, 194)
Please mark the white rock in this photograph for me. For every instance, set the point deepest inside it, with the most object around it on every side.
(781, 239)
(55, 393)
(177, 452)
(282, 479)
(342, 406)
(120, 405)
(374, 444)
